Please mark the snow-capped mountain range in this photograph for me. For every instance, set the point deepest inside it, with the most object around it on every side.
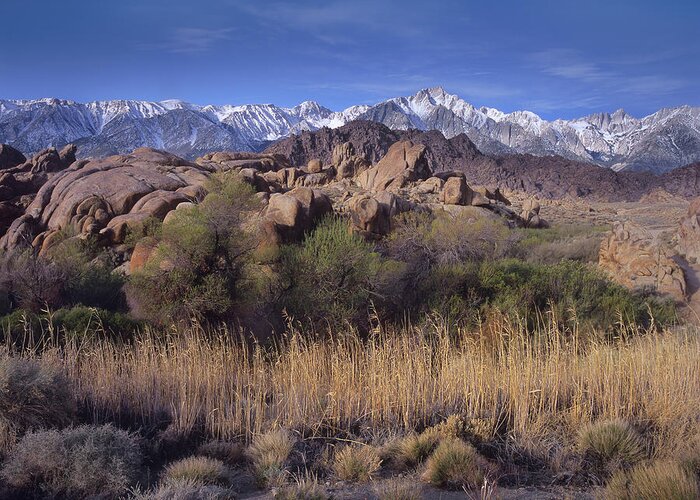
(662, 141)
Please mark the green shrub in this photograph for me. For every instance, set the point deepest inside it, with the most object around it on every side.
(33, 394)
(579, 242)
(87, 320)
(197, 470)
(199, 268)
(356, 463)
(85, 460)
(332, 276)
(611, 445)
(453, 465)
(660, 480)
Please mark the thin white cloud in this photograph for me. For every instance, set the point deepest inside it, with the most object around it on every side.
(191, 40)
(603, 77)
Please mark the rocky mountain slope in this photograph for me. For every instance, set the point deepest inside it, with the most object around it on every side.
(547, 177)
(659, 142)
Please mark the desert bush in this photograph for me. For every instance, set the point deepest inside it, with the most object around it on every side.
(186, 490)
(453, 465)
(229, 452)
(435, 246)
(356, 463)
(269, 453)
(85, 460)
(332, 276)
(33, 394)
(611, 445)
(199, 267)
(397, 489)
(31, 282)
(197, 470)
(72, 275)
(579, 242)
(660, 480)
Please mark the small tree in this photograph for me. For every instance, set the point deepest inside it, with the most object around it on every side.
(199, 267)
(332, 275)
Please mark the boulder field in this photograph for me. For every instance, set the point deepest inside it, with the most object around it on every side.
(53, 197)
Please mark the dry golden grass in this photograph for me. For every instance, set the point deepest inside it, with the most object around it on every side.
(539, 387)
(455, 465)
(269, 453)
(356, 463)
(398, 489)
(660, 480)
(199, 470)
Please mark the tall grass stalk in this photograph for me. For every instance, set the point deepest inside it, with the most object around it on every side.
(549, 383)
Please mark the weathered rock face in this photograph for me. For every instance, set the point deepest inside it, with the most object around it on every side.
(688, 237)
(456, 192)
(10, 157)
(404, 162)
(314, 166)
(530, 214)
(636, 259)
(346, 162)
(107, 196)
(289, 215)
(231, 160)
(143, 251)
(371, 215)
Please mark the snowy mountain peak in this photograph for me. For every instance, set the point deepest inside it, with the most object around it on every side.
(663, 140)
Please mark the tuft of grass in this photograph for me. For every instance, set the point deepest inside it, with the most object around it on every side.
(229, 452)
(414, 449)
(305, 488)
(689, 455)
(611, 445)
(269, 453)
(398, 489)
(660, 480)
(453, 465)
(356, 463)
(186, 490)
(197, 470)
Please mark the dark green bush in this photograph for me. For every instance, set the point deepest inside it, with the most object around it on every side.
(84, 320)
(572, 290)
(199, 270)
(80, 461)
(333, 275)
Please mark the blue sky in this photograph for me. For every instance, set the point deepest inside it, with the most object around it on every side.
(560, 58)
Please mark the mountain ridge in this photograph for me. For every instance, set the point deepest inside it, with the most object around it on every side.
(658, 142)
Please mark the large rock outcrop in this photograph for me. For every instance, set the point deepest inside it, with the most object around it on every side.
(105, 197)
(10, 157)
(288, 216)
(404, 162)
(635, 258)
